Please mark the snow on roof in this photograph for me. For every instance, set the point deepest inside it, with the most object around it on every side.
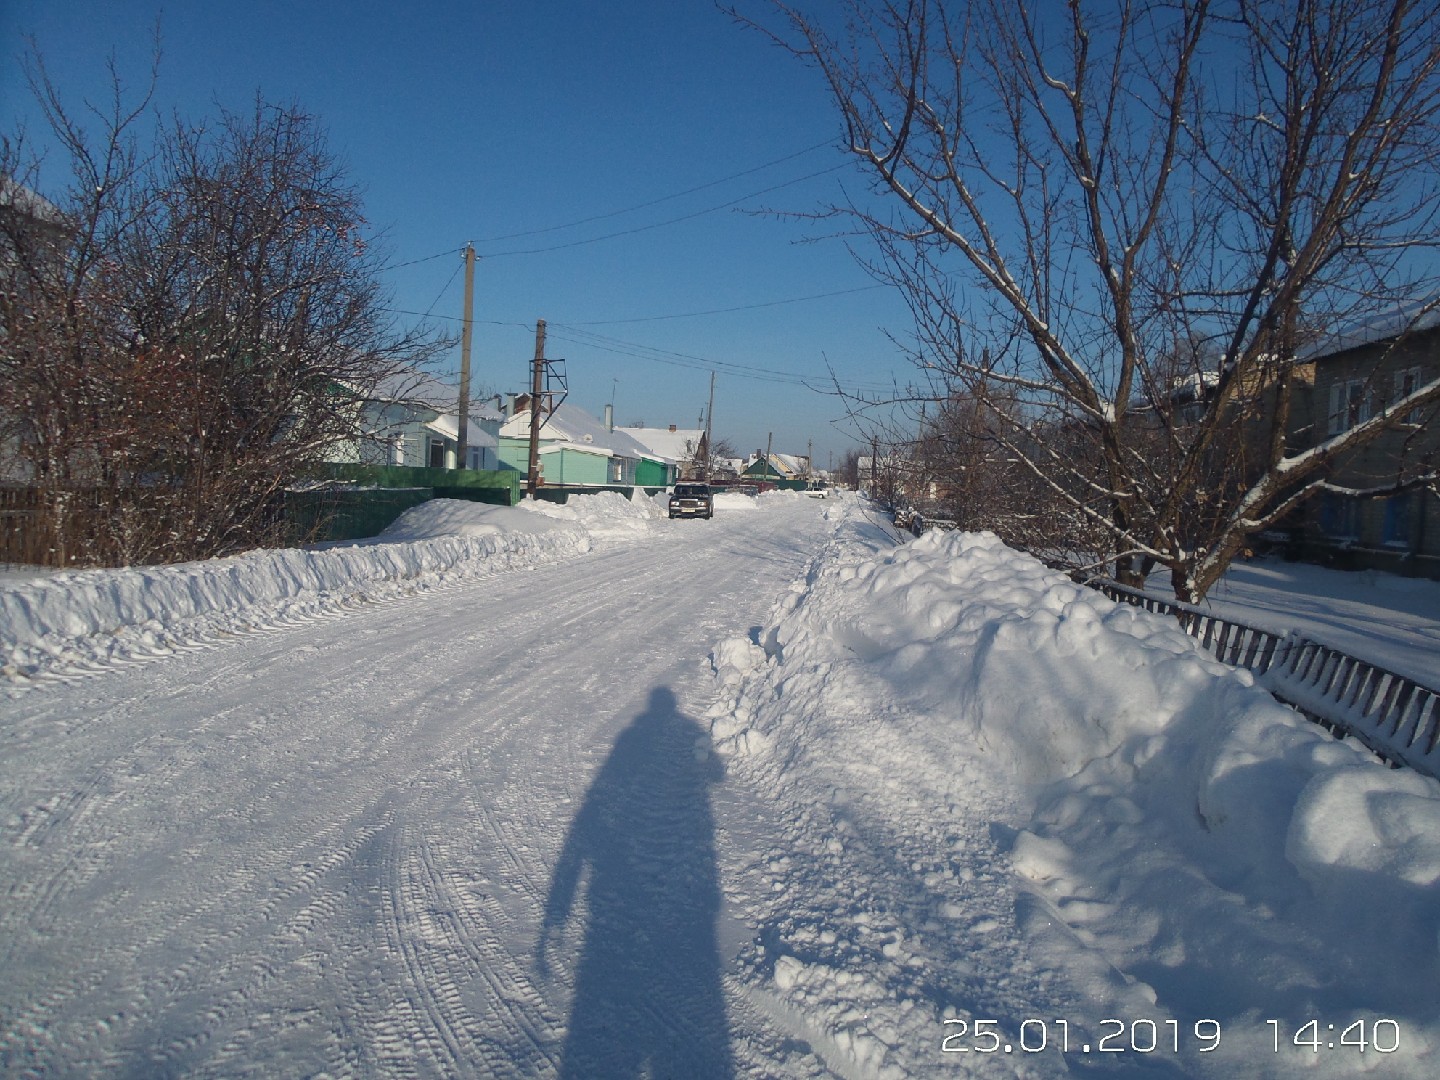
(448, 425)
(1406, 318)
(16, 195)
(783, 465)
(678, 445)
(419, 388)
(569, 424)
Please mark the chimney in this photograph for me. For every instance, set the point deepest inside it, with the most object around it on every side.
(609, 417)
(672, 427)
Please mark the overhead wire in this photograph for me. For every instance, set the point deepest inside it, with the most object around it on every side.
(731, 310)
(589, 339)
(655, 202)
(669, 221)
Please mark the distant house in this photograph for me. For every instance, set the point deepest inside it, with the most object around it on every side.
(1358, 373)
(578, 450)
(683, 447)
(777, 467)
(413, 420)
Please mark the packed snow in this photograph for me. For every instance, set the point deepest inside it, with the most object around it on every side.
(578, 790)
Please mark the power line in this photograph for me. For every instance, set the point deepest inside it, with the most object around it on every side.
(655, 202)
(416, 262)
(603, 343)
(678, 315)
(730, 310)
(670, 221)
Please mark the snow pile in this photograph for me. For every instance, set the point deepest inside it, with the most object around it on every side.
(734, 500)
(79, 620)
(604, 514)
(1174, 844)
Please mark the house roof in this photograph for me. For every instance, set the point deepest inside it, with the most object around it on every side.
(419, 388)
(781, 465)
(16, 196)
(569, 424)
(1406, 318)
(448, 425)
(678, 445)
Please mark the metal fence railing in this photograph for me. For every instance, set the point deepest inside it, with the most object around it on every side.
(1395, 716)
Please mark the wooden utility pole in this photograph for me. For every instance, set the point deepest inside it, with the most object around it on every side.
(710, 431)
(537, 374)
(462, 426)
(769, 438)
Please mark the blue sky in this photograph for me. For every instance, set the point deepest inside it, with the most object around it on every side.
(504, 123)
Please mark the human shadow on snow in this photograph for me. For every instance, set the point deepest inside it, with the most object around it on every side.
(647, 998)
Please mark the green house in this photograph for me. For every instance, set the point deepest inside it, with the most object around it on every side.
(576, 450)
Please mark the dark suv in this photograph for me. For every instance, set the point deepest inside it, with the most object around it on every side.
(692, 500)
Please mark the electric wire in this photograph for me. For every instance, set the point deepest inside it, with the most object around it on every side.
(588, 339)
(669, 221)
(731, 310)
(655, 202)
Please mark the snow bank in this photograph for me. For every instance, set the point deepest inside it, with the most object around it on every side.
(734, 500)
(1179, 845)
(606, 513)
(76, 620)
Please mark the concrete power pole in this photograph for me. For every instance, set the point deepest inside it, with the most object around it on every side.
(537, 374)
(710, 432)
(462, 433)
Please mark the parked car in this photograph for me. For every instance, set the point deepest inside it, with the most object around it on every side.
(692, 500)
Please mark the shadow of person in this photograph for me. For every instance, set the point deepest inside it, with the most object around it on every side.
(647, 1000)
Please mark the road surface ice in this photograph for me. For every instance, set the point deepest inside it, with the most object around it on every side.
(582, 791)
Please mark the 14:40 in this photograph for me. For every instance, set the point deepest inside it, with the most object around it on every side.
(1381, 1036)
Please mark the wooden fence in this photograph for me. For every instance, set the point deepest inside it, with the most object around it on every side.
(1393, 715)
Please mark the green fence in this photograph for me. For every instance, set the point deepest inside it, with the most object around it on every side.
(356, 501)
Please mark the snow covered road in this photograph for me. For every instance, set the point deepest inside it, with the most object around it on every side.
(328, 848)
(533, 792)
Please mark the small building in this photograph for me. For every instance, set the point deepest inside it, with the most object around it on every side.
(578, 450)
(412, 419)
(685, 448)
(1356, 374)
(778, 467)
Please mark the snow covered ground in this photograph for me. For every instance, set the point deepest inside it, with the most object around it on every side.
(582, 791)
(1390, 621)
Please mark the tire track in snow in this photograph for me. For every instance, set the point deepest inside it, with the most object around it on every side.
(288, 815)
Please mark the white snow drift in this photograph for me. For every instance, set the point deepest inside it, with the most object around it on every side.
(993, 818)
(1182, 847)
(85, 618)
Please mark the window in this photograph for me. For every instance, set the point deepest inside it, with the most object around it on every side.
(1340, 517)
(475, 457)
(1396, 530)
(1406, 383)
(397, 449)
(435, 457)
(1349, 405)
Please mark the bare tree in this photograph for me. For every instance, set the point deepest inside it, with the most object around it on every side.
(197, 334)
(1122, 226)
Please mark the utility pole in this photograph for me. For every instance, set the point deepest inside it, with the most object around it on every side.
(462, 427)
(710, 431)
(809, 468)
(769, 438)
(536, 385)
